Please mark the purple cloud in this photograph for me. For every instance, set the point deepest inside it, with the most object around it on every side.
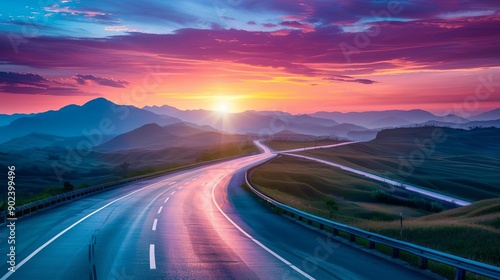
(82, 79)
(30, 83)
(343, 78)
(28, 79)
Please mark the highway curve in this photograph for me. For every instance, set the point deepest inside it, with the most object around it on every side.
(192, 224)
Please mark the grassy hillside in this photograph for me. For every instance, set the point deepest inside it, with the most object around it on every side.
(457, 162)
(471, 232)
(305, 185)
(281, 145)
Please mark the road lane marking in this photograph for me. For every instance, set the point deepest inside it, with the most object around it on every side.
(172, 192)
(152, 258)
(255, 240)
(166, 200)
(34, 253)
(155, 222)
(180, 188)
(186, 183)
(159, 210)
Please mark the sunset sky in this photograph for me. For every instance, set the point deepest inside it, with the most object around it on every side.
(294, 56)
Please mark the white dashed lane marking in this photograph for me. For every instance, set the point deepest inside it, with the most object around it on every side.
(154, 224)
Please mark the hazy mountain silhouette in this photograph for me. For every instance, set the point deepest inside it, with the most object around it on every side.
(378, 119)
(465, 125)
(487, 116)
(451, 118)
(192, 116)
(7, 119)
(149, 136)
(154, 137)
(344, 130)
(188, 129)
(388, 122)
(94, 116)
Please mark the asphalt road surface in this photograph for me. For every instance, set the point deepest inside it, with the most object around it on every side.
(193, 224)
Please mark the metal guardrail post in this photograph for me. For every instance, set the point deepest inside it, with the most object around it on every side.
(352, 238)
(395, 252)
(423, 262)
(459, 274)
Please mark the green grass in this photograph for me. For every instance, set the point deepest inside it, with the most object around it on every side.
(471, 232)
(279, 145)
(306, 184)
(464, 165)
(227, 150)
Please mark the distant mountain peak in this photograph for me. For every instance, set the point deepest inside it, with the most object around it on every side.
(487, 116)
(98, 102)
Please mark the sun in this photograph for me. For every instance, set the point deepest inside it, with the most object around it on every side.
(222, 107)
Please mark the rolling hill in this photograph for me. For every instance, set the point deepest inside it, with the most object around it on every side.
(155, 137)
(462, 163)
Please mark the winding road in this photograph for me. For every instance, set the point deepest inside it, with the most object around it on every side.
(192, 224)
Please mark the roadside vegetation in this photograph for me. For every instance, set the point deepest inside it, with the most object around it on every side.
(472, 232)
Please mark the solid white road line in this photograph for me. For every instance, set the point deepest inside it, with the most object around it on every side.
(152, 258)
(30, 256)
(159, 210)
(166, 200)
(155, 222)
(255, 240)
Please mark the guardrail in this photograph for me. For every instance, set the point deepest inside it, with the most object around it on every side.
(26, 209)
(461, 265)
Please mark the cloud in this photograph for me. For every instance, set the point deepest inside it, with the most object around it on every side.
(343, 78)
(436, 44)
(295, 24)
(82, 80)
(27, 79)
(30, 83)
(269, 25)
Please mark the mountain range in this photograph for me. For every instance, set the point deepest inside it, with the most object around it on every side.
(94, 117)
(103, 119)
